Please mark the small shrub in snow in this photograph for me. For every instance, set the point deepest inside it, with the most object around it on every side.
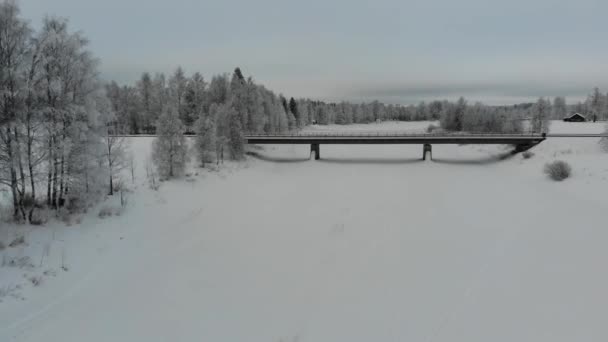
(109, 211)
(527, 155)
(17, 241)
(105, 212)
(558, 170)
(431, 128)
(35, 280)
(37, 221)
(65, 216)
(50, 273)
(10, 290)
(2, 246)
(19, 262)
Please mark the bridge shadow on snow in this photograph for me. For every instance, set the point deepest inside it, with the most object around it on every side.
(493, 159)
(369, 161)
(260, 156)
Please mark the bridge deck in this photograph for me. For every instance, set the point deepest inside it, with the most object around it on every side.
(394, 138)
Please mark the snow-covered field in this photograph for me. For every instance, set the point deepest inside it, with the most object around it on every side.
(367, 244)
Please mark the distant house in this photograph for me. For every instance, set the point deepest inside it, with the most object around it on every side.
(576, 117)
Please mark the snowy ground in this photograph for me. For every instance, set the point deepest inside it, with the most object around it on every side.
(367, 244)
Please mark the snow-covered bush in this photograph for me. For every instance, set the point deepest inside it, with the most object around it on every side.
(558, 170)
(527, 155)
(39, 217)
(431, 128)
(2, 246)
(169, 150)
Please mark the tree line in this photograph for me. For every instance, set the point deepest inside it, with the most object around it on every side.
(139, 106)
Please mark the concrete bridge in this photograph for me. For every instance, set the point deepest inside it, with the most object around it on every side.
(521, 142)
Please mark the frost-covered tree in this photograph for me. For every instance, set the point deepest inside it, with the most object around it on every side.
(131, 116)
(239, 97)
(177, 92)
(145, 90)
(541, 112)
(597, 103)
(160, 99)
(453, 115)
(169, 149)
(560, 109)
(434, 110)
(115, 146)
(205, 135)
(14, 35)
(69, 84)
(340, 117)
(229, 132)
(218, 91)
(51, 116)
(194, 100)
(255, 107)
(236, 141)
(293, 108)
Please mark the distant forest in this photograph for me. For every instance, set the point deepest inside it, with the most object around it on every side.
(137, 107)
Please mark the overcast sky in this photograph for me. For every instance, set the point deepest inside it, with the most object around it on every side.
(396, 51)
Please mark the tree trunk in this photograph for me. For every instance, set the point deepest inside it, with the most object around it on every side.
(111, 185)
(62, 181)
(171, 158)
(19, 160)
(32, 181)
(110, 166)
(13, 173)
(17, 157)
(170, 165)
(62, 167)
(49, 179)
(55, 172)
(30, 165)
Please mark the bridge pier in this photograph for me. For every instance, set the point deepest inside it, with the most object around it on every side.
(315, 148)
(427, 148)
